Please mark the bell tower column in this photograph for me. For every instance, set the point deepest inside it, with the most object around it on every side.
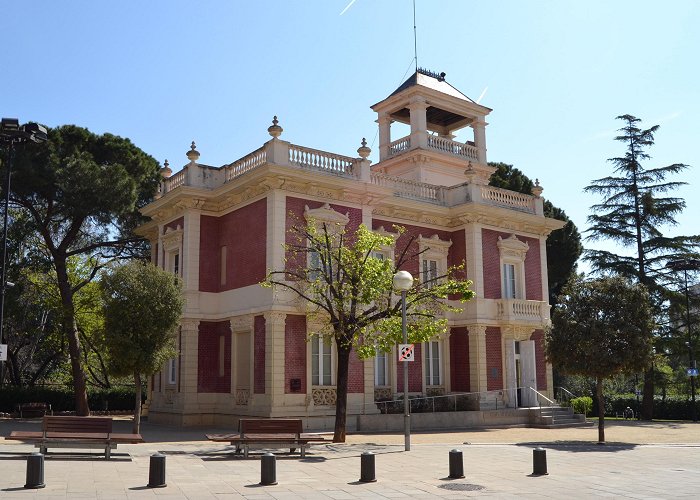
(384, 121)
(480, 140)
(419, 122)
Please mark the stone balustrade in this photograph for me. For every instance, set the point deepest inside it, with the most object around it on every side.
(519, 310)
(285, 154)
(449, 146)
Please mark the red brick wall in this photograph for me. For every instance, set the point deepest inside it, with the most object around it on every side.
(540, 363)
(492, 270)
(411, 235)
(356, 374)
(295, 351)
(494, 358)
(208, 378)
(533, 270)
(415, 372)
(259, 353)
(244, 234)
(209, 258)
(459, 359)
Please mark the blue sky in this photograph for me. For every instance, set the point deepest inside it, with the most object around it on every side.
(556, 75)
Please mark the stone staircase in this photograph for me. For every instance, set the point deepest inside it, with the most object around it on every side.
(552, 417)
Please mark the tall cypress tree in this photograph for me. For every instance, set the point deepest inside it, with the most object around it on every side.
(635, 208)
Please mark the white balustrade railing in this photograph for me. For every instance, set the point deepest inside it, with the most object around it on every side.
(521, 309)
(508, 199)
(399, 145)
(315, 159)
(406, 188)
(452, 147)
(246, 164)
(174, 181)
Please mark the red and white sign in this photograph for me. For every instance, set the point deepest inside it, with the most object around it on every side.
(406, 352)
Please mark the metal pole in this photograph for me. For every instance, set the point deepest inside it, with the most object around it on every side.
(406, 404)
(3, 275)
(693, 410)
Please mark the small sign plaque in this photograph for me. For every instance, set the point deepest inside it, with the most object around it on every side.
(406, 352)
(692, 372)
(3, 352)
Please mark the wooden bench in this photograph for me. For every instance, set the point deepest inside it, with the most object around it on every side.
(76, 432)
(28, 410)
(261, 432)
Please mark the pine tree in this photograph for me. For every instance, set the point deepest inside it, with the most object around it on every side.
(634, 209)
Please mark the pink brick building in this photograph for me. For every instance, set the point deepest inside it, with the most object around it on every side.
(245, 350)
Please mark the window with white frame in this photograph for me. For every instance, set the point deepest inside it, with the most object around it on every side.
(385, 252)
(172, 248)
(433, 372)
(321, 362)
(512, 257)
(172, 371)
(334, 221)
(433, 259)
(381, 369)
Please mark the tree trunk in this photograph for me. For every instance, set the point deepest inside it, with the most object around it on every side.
(601, 409)
(648, 394)
(341, 403)
(71, 333)
(136, 427)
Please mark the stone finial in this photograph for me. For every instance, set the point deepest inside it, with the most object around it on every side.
(166, 170)
(537, 189)
(193, 154)
(274, 130)
(363, 150)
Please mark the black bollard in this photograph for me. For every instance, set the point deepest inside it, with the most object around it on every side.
(539, 462)
(367, 467)
(268, 470)
(156, 471)
(35, 471)
(456, 464)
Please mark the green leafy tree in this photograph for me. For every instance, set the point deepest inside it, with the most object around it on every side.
(634, 209)
(82, 193)
(349, 290)
(563, 245)
(596, 336)
(142, 309)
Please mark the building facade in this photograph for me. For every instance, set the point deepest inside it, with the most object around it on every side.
(245, 350)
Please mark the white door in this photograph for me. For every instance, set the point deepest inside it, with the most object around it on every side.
(528, 373)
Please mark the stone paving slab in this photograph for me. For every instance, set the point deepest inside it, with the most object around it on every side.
(497, 463)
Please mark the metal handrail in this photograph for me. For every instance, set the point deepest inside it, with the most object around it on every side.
(431, 400)
(567, 391)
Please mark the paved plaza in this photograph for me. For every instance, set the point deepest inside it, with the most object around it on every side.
(641, 460)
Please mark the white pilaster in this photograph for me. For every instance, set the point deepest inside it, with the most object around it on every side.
(474, 257)
(274, 357)
(480, 140)
(384, 135)
(419, 122)
(478, 381)
(276, 230)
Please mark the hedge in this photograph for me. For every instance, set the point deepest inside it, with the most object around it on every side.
(62, 399)
(668, 408)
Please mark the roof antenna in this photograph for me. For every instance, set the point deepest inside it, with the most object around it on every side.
(415, 36)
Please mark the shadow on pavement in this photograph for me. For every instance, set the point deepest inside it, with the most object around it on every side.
(581, 446)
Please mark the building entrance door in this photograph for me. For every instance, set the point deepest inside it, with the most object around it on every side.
(521, 373)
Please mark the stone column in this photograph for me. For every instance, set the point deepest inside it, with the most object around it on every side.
(419, 122)
(189, 359)
(474, 257)
(480, 140)
(384, 122)
(274, 357)
(477, 358)
(190, 256)
(276, 229)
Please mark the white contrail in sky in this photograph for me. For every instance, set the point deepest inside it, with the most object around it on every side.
(482, 95)
(349, 5)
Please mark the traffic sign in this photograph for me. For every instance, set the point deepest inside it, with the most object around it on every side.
(692, 372)
(3, 352)
(406, 352)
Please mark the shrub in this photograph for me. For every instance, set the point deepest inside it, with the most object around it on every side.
(583, 405)
(61, 398)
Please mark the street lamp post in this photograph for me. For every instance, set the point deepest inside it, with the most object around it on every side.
(11, 133)
(403, 281)
(686, 265)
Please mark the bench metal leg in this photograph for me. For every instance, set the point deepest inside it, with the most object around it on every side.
(108, 452)
(245, 451)
(42, 450)
(303, 451)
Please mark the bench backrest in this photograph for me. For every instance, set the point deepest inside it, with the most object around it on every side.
(77, 424)
(270, 426)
